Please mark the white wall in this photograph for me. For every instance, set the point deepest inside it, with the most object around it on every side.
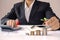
(6, 5)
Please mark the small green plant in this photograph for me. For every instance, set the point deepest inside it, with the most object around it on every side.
(44, 19)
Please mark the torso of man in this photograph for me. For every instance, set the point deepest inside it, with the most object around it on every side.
(28, 10)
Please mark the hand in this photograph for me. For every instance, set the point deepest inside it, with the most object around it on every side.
(53, 23)
(13, 23)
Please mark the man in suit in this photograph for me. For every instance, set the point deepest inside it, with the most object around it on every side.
(30, 12)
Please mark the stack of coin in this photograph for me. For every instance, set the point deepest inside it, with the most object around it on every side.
(38, 32)
(44, 31)
(32, 33)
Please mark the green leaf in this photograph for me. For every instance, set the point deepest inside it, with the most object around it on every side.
(45, 19)
(42, 19)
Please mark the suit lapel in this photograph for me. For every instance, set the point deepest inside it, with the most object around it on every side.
(34, 9)
(22, 14)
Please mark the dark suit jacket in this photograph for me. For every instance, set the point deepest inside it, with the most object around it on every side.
(38, 12)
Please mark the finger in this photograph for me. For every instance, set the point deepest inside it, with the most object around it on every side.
(12, 23)
(7, 23)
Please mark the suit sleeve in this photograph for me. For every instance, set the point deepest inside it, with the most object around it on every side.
(10, 15)
(49, 12)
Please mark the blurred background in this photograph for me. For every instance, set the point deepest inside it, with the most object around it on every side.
(6, 5)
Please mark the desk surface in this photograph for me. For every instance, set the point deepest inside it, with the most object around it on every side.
(20, 35)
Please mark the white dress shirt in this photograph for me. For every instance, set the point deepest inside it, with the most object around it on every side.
(28, 10)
